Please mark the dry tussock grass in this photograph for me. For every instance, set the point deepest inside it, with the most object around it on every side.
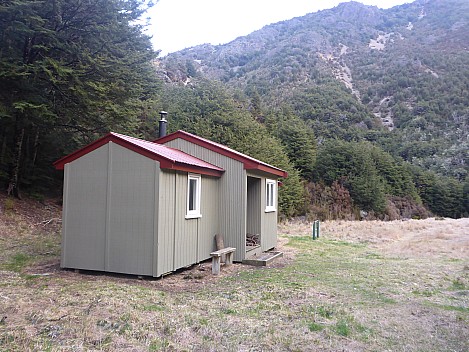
(364, 286)
(411, 238)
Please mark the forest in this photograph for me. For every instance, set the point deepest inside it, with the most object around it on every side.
(71, 71)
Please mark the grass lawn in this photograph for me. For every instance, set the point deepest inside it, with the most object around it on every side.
(354, 289)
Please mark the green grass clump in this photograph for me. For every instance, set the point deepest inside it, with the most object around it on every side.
(458, 284)
(18, 262)
(325, 312)
(313, 326)
(153, 308)
(342, 328)
(229, 311)
(451, 308)
(425, 293)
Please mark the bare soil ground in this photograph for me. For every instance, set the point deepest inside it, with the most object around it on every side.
(363, 286)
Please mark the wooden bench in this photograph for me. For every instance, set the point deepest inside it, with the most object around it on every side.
(216, 258)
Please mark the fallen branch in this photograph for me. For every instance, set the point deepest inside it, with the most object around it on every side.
(47, 222)
(59, 318)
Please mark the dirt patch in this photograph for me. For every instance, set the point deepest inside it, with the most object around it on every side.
(29, 214)
(192, 278)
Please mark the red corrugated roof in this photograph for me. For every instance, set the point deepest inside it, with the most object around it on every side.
(169, 158)
(249, 162)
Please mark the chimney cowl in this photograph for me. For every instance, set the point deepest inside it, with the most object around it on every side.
(162, 124)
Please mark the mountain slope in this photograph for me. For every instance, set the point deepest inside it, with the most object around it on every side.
(357, 67)
(374, 82)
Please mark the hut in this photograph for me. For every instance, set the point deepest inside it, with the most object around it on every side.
(148, 208)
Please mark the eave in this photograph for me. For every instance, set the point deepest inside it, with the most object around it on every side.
(165, 163)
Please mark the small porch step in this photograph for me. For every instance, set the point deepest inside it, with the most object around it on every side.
(263, 259)
(252, 251)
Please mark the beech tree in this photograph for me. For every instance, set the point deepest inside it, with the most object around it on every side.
(369, 173)
(297, 138)
(69, 70)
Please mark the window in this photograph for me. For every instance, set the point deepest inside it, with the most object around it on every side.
(270, 195)
(193, 196)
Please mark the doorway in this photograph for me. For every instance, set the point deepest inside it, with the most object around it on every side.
(253, 216)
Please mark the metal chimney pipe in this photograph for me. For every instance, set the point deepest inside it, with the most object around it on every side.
(162, 124)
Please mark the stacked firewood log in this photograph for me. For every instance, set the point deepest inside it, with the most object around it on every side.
(252, 240)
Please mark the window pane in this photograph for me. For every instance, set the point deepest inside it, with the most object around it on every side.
(192, 194)
(270, 195)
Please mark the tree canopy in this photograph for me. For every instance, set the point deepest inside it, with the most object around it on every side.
(72, 70)
(210, 111)
(69, 69)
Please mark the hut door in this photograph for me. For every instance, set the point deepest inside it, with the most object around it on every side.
(253, 216)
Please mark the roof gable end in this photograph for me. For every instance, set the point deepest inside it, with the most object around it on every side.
(169, 158)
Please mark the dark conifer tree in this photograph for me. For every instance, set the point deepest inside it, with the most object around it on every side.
(70, 69)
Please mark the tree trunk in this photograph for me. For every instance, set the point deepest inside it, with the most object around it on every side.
(35, 148)
(3, 148)
(13, 187)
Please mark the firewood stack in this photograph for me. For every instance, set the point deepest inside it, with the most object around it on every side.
(252, 240)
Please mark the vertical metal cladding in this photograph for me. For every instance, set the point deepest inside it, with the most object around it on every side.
(182, 241)
(66, 189)
(108, 213)
(269, 231)
(185, 230)
(131, 222)
(269, 220)
(208, 223)
(166, 223)
(84, 226)
(156, 212)
(231, 200)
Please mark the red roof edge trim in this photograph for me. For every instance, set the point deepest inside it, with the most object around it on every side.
(249, 162)
(165, 163)
(193, 169)
(279, 173)
(59, 164)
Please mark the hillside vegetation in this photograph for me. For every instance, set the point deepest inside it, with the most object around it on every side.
(70, 71)
(366, 109)
(382, 96)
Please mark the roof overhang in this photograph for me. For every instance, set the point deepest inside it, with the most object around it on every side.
(165, 163)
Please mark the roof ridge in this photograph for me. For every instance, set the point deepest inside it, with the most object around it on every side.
(225, 148)
(120, 135)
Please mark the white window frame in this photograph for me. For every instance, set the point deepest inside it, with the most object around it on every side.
(194, 213)
(270, 195)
